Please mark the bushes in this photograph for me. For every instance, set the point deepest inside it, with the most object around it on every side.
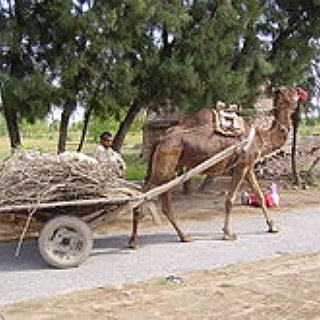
(137, 167)
(309, 126)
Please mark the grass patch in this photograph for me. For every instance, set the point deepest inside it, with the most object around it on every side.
(308, 130)
(137, 167)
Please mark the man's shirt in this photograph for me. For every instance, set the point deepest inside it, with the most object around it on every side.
(109, 155)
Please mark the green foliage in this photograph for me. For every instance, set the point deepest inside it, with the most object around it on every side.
(137, 125)
(3, 127)
(310, 126)
(110, 55)
(296, 28)
(110, 123)
(31, 96)
(36, 130)
(98, 125)
(137, 167)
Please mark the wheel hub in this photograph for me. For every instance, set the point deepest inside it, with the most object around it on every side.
(66, 242)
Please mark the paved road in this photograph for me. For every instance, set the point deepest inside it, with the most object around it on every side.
(110, 263)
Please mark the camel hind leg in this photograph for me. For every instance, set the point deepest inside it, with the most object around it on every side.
(237, 178)
(167, 210)
(253, 182)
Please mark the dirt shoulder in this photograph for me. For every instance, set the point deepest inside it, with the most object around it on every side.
(286, 287)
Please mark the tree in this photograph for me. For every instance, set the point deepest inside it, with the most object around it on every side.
(158, 77)
(225, 50)
(71, 67)
(125, 59)
(294, 48)
(310, 83)
(105, 74)
(25, 92)
(293, 29)
(63, 48)
(117, 57)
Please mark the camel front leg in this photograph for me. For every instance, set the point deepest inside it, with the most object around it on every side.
(167, 210)
(137, 216)
(237, 178)
(253, 182)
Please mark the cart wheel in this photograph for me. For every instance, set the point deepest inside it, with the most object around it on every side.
(65, 241)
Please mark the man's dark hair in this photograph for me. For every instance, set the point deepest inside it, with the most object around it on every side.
(105, 135)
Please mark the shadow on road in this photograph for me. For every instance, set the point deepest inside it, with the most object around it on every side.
(31, 260)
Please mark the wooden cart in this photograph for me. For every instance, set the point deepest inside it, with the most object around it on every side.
(65, 239)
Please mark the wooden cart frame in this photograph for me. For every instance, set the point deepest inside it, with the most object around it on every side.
(65, 239)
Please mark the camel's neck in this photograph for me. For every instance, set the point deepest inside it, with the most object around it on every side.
(276, 136)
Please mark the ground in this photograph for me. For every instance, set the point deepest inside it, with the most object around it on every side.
(286, 287)
(282, 288)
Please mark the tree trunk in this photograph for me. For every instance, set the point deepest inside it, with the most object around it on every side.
(64, 124)
(296, 123)
(87, 116)
(16, 67)
(86, 120)
(11, 118)
(125, 126)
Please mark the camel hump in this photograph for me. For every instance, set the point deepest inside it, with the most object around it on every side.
(200, 118)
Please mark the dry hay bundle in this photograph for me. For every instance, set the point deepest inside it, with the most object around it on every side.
(32, 177)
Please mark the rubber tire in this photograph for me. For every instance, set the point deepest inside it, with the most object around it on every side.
(77, 225)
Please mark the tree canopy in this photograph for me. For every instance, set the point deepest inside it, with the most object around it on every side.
(116, 57)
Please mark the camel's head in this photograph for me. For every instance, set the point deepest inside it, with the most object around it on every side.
(288, 97)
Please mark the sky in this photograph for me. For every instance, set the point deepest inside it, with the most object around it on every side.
(55, 115)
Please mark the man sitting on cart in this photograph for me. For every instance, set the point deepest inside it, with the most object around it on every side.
(105, 153)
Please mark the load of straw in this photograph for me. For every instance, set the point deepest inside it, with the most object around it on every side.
(32, 177)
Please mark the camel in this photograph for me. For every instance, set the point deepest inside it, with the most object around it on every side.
(195, 140)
